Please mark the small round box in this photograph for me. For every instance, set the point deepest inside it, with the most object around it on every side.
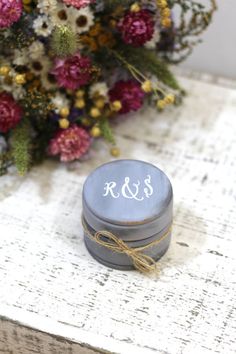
(133, 200)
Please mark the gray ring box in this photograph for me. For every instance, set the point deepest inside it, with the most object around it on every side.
(132, 199)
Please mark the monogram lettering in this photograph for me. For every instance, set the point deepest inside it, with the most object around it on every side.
(149, 190)
(129, 190)
(109, 186)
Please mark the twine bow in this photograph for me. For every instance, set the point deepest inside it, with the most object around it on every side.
(142, 262)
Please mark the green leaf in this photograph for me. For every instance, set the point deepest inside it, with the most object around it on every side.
(106, 130)
(20, 146)
(146, 60)
(5, 162)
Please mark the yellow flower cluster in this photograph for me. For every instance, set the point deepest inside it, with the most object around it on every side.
(165, 13)
(135, 7)
(147, 86)
(97, 37)
(100, 108)
(4, 70)
(19, 79)
(64, 123)
(168, 99)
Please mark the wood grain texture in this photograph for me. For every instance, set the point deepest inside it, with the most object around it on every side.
(15, 338)
(50, 283)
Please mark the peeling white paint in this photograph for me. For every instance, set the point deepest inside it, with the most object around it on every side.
(50, 283)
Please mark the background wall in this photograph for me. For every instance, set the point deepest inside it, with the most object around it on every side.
(217, 53)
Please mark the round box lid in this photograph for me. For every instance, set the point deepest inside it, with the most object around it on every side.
(127, 193)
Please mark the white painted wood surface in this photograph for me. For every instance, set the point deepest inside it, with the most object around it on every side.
(55, 298)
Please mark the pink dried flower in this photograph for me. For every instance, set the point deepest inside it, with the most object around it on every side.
(78, 3)
(72, 72)
(10, 12)
(70, 143)
(129, 93)
(10, 112)
(136, 27)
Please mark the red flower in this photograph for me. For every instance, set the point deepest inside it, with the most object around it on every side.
(10, 112)
(136, 27)
(70, 143)
(72, 72)
(10, 12)
(129, 93)
(78, 3)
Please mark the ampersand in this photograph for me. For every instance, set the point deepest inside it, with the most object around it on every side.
(130, 194)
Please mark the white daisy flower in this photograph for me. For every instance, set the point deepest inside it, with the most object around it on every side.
(42, 26)
(42, 68)
(81, 20)
(36, 50)
(48, 81)
(61, 15)
(60, 101)
(20, 57)
(39, 65)
(18, 92)
(98, 89)
(78, 20)
(46, 6)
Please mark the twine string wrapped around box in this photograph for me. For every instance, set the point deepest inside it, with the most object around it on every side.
(142, 262)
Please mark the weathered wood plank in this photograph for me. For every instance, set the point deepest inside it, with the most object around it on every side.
(51, 284)
(15, 338)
